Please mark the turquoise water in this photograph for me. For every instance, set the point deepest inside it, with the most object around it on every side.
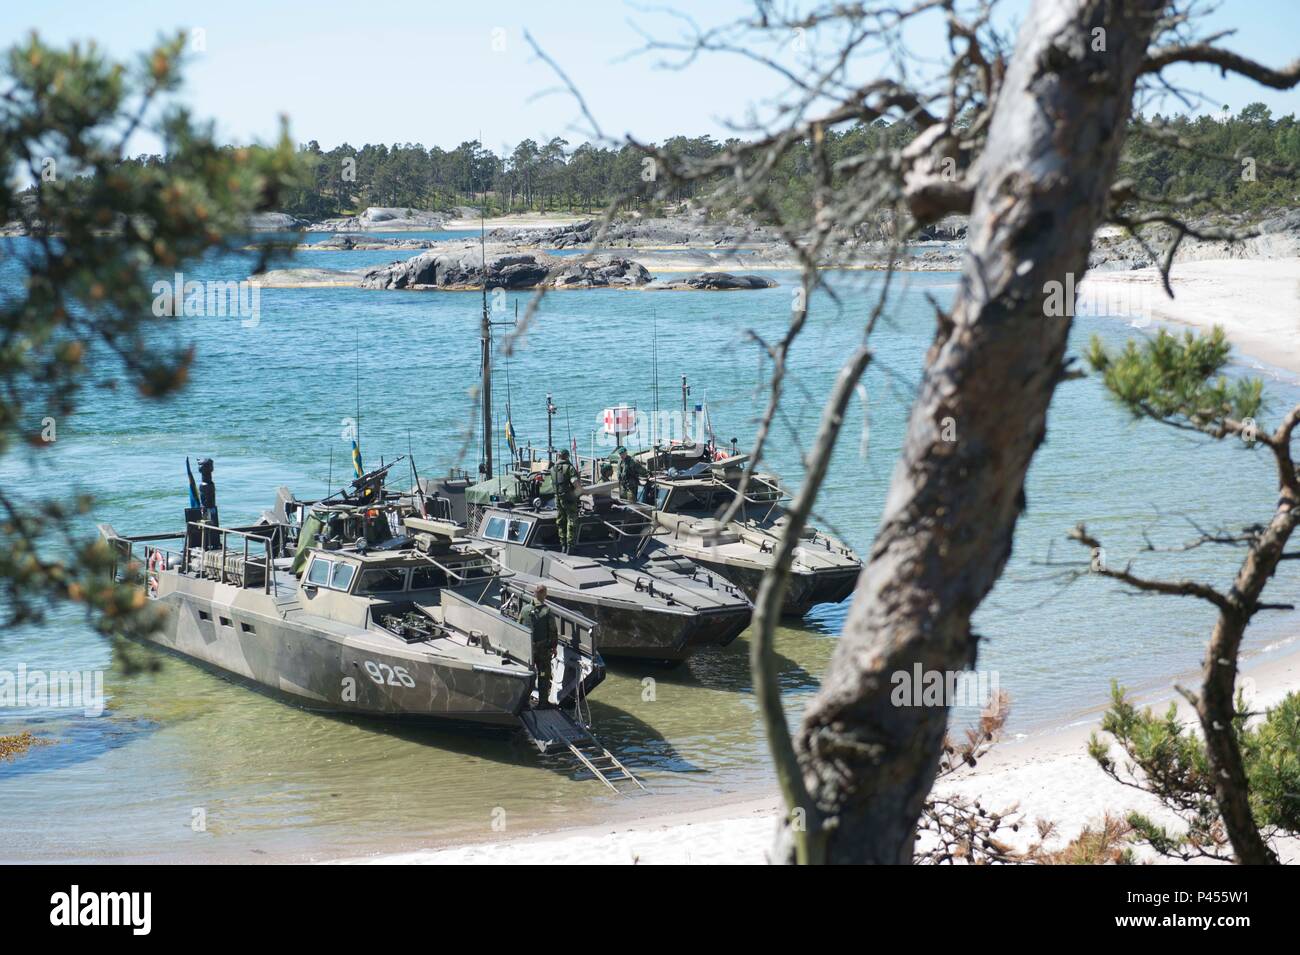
(268, 403)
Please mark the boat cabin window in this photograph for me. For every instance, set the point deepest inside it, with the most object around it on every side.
(319, 572)
(341, 579)
(590, 531)
(335, 574)
(386, 580)
(427, 578)
(513, 530)
(691, 500)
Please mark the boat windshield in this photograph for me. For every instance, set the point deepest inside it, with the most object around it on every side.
(334, 574)
(341, 579)
(693, 500)
(384, 580)
(512, 530)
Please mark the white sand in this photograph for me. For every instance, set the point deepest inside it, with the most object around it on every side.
(525, 220)
(1047, 776)
(1257, 301)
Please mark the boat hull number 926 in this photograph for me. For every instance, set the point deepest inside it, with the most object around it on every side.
(386, 675)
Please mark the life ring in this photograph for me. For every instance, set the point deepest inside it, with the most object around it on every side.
(157, 564)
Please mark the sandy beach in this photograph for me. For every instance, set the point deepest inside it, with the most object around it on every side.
(1045, 776)
(1257, 301)
(526, 220)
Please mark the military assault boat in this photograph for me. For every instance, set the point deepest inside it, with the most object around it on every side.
(647, 600)
(692, 482)
(333, 609)
(686, 507)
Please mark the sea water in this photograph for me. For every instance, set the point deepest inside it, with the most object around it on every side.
(186, 765)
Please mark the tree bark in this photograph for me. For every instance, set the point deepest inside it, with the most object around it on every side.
(946, 533)
(1217, 706)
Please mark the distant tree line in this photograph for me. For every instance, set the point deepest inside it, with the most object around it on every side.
(1246, 162)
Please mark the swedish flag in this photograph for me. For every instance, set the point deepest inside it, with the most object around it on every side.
(194, 491)
(356, 459)
(510, 437)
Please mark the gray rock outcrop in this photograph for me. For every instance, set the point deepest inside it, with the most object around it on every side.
(460, 268)
(598, 271)
(713, 282)
(275, 222)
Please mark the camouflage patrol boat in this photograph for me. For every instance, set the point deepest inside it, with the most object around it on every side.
(647, 601)
(693, 482)
(686, 508)
(344, 615)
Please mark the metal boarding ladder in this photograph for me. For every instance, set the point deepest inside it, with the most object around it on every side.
(555, 731)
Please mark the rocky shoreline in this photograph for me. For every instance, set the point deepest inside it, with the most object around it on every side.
(532, 251)
(468, 266)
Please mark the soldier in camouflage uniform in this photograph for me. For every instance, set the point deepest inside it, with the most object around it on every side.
(566, 501)
(630, 472)
(538, 616)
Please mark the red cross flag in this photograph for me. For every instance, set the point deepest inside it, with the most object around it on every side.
(620, 420)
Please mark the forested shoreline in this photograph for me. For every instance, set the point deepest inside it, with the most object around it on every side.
(1247, 162)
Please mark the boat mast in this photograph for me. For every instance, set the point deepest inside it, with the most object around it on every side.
(485, 341)
(550, 441)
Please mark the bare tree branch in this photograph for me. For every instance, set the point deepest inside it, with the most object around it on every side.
(1226, 61)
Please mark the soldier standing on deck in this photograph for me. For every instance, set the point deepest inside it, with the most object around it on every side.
(630, 472)
(566, 501)
(538, 616)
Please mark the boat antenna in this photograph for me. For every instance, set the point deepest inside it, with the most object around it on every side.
(329, 480)
(510, 421)
(357, 425)
(686, 390)
(550, 441)
(485, 336)
(654, 375)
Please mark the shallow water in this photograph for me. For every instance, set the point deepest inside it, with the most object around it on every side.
(267, 402)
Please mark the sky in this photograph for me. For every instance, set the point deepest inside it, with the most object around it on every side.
(440, 73)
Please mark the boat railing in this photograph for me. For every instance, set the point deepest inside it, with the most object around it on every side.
(572, 628)
(642, 534)
(226, 571)
(156, 559)
(771, 499)
(589, 467)
(463, 579)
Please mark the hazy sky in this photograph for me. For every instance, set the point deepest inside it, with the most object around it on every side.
(436, 72)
